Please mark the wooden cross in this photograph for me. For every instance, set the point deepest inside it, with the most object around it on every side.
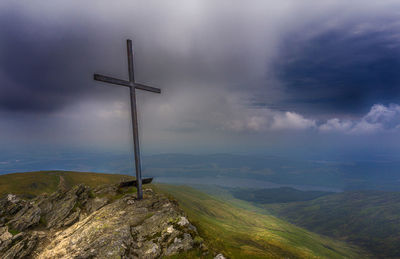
(132, 86)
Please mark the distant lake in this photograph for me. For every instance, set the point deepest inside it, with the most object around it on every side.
(239, 182)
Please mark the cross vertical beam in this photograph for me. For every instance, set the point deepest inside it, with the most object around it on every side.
(135, 129)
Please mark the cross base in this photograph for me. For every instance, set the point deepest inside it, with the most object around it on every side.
(134, 182)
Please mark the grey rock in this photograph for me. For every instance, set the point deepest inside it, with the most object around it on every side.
(180, 244)
(5, 238)
(96, 203)
(27, 217)
(93, 223)
(23, 248)
(12, 198)
(183, 222)
(61, 204)
(219, 256)
(72, 218)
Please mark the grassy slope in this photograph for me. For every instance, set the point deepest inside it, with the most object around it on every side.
(34, 183)
(242, 233)
(370, 219)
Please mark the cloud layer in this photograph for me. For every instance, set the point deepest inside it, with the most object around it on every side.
(380, 118)
(230, 71)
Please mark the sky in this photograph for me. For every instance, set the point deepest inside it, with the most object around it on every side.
(236, 76)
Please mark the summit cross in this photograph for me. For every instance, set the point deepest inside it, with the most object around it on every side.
(132, 86)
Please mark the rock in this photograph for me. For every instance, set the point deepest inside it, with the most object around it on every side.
(129, 200)
(103, 190)
(93, 223)
(72, 218)
(148, 191)
(12, 198)
(95, 204)
(23, 248)
(170, 229)
(219, 256)
(27, 217)
(18, 237)
(183, 222)
(5, 238)
(158, 229)
(58, 207)
(179, 244)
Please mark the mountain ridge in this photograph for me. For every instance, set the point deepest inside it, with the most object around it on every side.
(233, 229)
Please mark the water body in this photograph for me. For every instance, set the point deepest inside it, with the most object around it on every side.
(238, 182)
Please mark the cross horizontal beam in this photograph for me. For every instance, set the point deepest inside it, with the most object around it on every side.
(111, 80)
(116, 81)
(147, 88)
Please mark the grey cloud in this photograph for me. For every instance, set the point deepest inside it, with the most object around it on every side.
(379, 119)
(221, 65)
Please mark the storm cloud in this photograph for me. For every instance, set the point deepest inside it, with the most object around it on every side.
(228, 70)
(343, 69)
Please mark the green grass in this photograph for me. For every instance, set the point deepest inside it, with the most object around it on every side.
(369, 219)
(13, 231)
(34, 183)
(244, 233)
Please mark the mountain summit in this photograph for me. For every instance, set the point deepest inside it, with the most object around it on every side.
(101, 222)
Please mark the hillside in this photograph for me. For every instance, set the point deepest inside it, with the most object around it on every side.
(236, 229)
(30, 184)
(243, 233)
(370, 219)
(275, 195)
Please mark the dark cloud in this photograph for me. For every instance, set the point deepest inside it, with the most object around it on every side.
(44, 67)
(345, 69)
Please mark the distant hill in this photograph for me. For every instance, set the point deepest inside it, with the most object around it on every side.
(370, 219)
(275, 195)
(308, 173)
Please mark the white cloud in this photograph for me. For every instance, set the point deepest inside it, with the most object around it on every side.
(291, 120)
(336, 125)
(264, 120)
(379, 118)
(383, 114)
(364, 127)
(257, 123)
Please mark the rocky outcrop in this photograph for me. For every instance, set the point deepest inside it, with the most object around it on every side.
(105, 222)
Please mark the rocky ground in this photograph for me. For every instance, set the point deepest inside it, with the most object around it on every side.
(105, 222)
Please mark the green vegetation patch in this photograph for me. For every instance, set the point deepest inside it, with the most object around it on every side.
(13, 231)
(31, 184)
